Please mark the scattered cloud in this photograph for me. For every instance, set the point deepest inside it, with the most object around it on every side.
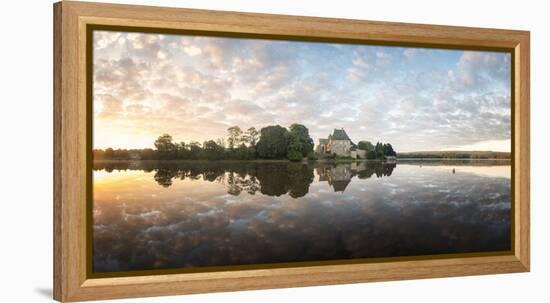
(196, 87)
(192, 50)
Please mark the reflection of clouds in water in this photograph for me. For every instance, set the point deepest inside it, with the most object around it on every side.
(197, 223)
(487, 171)
(482, 169)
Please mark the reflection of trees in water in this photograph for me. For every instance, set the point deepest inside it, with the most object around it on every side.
(272, 179)
(378, 169)
(291, 178)
(165, 175)
(340, 175)
(237, 183)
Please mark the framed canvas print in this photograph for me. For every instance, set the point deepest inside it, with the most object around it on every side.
(201, 151)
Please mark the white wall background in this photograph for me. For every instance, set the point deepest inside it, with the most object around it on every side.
(26, 149)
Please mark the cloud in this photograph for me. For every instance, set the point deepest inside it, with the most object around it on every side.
(196, 87)
(359, 69)
(192, 51)
(479, 70)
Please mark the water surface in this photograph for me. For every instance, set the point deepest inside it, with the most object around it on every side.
(165, 215)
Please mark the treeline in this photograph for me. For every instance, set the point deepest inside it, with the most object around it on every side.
(125, 154)
(271, 142)
(455, 155)
(378, 151)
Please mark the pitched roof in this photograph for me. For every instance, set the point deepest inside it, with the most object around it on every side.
(340, 134)
(340, 185)
(323, 141)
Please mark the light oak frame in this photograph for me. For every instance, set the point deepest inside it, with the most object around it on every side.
(72, 147)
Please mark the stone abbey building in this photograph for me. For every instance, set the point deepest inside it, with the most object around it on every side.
(340, 144)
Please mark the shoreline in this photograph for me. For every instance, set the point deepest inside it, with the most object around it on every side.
(239, 161)
(303, 161)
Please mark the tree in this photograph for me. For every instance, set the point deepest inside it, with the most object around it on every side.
(194, 150)
(301, 133)
(252, 152)
(294, 148)
(182, 152)
(379, 150)
(365, 145)
(388, 150)
(241, 152)
(221, 142)
(213, 151)
(251, 136)
(234, 134)
(312, 156)
(165, 147)
(294, 155)
(109, 153)
(147, 154)
(273, 142)
(371, 154)
(121, 154)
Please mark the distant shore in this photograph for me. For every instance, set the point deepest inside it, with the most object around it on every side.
(458, 155)
(454, 159)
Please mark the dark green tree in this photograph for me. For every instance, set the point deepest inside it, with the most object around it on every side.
(273, 142)
(294, 155)
(241, 152)
(182, 152)
(379, 149)
(294, 148)
(302, 134)
(365, 145)
(212, 150)
(388, 150)
(195, 150)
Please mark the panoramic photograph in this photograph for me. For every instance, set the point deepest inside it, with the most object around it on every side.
(219, 151)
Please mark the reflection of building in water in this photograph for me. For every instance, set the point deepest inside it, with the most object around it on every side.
(337, 176)
(358, 166)
(340, 175)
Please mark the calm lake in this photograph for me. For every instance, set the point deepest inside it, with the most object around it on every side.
(164, 215)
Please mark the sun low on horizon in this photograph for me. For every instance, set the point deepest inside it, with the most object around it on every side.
(196, 87)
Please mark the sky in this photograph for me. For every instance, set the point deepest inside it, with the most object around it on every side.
(195, 87)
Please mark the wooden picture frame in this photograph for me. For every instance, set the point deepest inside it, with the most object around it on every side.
(72, 281)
